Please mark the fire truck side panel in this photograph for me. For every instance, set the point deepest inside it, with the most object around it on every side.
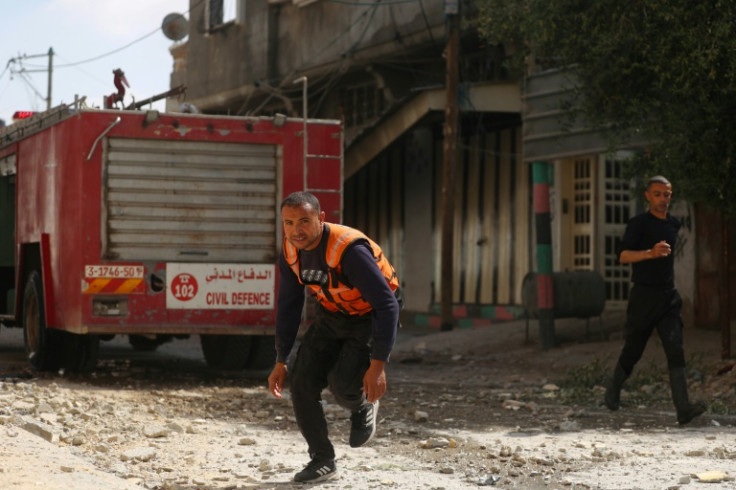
(7, 231)
(47, 210)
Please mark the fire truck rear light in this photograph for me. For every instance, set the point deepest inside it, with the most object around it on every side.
(110, 307)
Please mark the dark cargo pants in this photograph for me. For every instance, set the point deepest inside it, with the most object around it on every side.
(651, 308)
(334, 352)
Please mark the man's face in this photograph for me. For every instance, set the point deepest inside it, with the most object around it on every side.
(302, 225)
(659, 196)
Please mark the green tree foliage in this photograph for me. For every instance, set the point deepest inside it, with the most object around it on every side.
(665, 69)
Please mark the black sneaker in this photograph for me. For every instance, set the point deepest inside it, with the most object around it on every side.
(693, 410)
(316, 471)
(363, 424)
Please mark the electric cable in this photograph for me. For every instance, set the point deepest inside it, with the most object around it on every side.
(24, 76)
(136, 41)
(90, 75)
(105, 55)
(346, 55)
(426, 20)
(355, 45)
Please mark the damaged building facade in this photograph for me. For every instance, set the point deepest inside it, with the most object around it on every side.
(379, 66)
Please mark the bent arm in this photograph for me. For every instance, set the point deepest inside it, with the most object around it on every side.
(362, 271)
(661, 249)
(289, 310)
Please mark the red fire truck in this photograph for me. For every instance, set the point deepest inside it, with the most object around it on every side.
(152, 225)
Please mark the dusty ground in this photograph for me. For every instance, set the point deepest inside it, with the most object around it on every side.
(464, 409)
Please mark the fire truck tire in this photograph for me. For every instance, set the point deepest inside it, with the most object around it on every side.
(42, 345)
(142, 343)
(227, 352)
(80, 352)
(262, 352)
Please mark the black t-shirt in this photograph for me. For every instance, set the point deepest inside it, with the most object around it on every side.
(642, 233)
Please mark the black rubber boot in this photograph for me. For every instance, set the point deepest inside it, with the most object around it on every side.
(686, 411)
(613, 390)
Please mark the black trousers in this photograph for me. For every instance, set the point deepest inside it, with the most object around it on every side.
(651, 308)
(335, 352)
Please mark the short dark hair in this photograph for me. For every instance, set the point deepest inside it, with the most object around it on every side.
(300, 198)
(658, 179)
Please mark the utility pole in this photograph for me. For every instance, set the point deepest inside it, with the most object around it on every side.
(51, 70)
(452, 52)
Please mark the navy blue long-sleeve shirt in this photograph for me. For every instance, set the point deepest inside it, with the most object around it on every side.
(361, 271)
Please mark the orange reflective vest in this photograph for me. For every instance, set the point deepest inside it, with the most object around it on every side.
(340, 296)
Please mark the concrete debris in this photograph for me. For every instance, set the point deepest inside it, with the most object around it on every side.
(489, 480)
(512, 404)
(40, 429)
(712, 476)
(437, 442)
(434, 431)
(155, 431)
(139, 454)
(570, 426)
(421, 416)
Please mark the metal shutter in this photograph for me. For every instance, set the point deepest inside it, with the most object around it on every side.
(190, 201)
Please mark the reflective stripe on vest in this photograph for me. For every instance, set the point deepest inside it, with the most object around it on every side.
(340, 296)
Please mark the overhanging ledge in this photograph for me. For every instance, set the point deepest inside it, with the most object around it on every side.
(490, 97)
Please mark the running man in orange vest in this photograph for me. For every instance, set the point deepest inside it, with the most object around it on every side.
(347, 346)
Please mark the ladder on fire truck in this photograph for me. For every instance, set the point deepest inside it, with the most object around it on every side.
(39, 122)
(317, 157)
(312, 157)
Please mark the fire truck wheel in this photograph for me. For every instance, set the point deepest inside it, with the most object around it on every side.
(42, 345)
(80, 352)
(263, 352)
(141, 343)
(228, 352)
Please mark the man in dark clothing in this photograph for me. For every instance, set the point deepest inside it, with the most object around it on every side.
(348, 344)
(653, 301)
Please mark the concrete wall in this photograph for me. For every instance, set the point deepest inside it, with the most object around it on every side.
(277, 43)
(418, 184)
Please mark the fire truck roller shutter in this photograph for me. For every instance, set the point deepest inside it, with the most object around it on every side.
(195, 201)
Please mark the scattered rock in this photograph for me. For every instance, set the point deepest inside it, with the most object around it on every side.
(421, 416)
(712, 476)
(139, 454)
(40, 429)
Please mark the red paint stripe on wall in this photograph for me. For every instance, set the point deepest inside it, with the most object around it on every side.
(545, 291)
(460, 311)
(541, 198)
